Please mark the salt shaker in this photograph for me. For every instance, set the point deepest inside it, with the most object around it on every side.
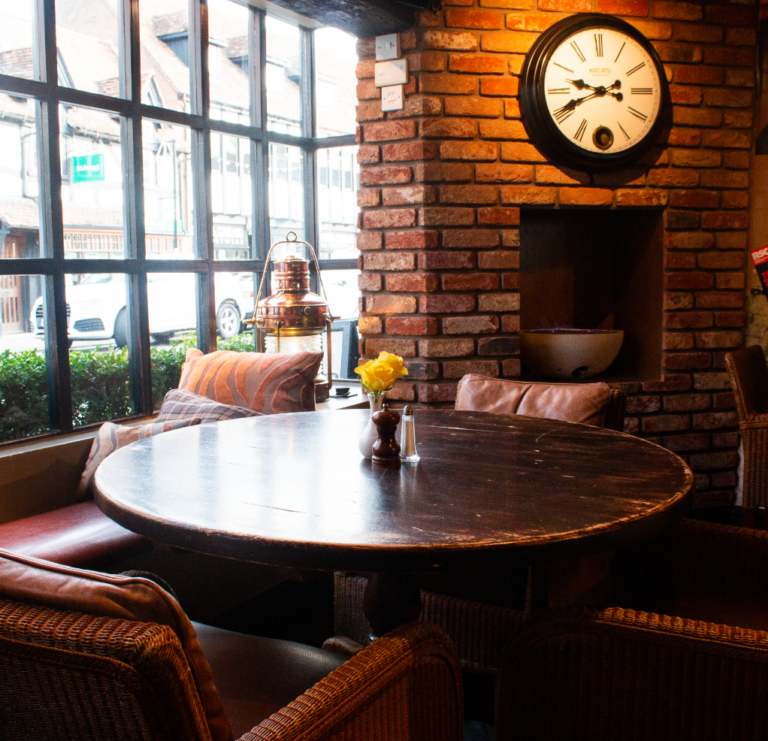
(408, 437)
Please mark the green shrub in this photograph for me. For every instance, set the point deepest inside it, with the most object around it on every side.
(101, 385)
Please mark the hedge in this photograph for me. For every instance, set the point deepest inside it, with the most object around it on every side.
(100, 379)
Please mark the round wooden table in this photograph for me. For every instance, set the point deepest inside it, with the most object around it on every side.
(490, 491)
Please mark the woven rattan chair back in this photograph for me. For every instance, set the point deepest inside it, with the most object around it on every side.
(75, 677)
(749, 378)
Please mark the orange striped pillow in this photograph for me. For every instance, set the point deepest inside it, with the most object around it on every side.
(270, 383)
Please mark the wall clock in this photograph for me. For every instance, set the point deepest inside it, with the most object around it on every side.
(593, 92)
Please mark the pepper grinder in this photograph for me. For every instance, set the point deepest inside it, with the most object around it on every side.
(408, 437)
(386, 451)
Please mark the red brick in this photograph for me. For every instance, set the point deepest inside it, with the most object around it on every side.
(446, 304)
(623, 7)
(426, 61)
(740, 77)
(469, 106)
(515, 4)
(447, 216)
(474, 151)
(528, 195)
(677, 301)
(520, 152)
(731, 14)
(721, 261)
(450, 41)
(390, 218)
(724, 401)
(367, 154)
(666, 423)
(469, 194)
(510, 42)
(498, 346)
(484, 64)
(471, 325)
(687, 361)
(724, 220)
(368, 197)
(679, 53)
(550, 175)
(685, 95)
(450, 128)
(418, 105)
(485, 19)
(735, 241)
(697, 117)
(682, 219)
(389, 130)
(585, 197)
(389, 261)
(729, 56)
(401, 391)
(499, 302)
(512, 105)
(503, 86)
(687, 403)
(437, 392)
(369, 282)
(644, 198)
(656, 30)
(447, 260)
(510, 368)
(736, 160)
(688, 320)
(677, 11)
(673, 178)
(714, 421)
(470, 238)
(643, 404)
(470, 282)
(414, 240)
(694, 199)
(741, 36)
(423, 371)
(506, 130)
(566, 6)
(737, 119)
(719, 340)
(445, 84)
(412, 194)
(699, 75)
(510, 323)
(510, 237)
(724, 179)
(732, 281)
(677, 382)
(725, 439)
(684, 138)
(698, 32)
(530, 21)
(385, 175)
(688, 281)
(728, 98)
(403, 348)
(677, 341)
(364, 69)
(369, 325)
(455, 348)
(367, 90)
(498, 215)
(383, 304)
(694, 441)
(419, 326)
(498, 260)
(709, 461)
(679, 261)
(730, 318)
(409, 151)
(442, 172)
(715, 300)
(459, 368)
(695, 157)
(369, 240)
(510, 282)
(412, 283)
(503, 173)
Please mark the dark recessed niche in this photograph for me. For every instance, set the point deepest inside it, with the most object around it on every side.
(590, 269)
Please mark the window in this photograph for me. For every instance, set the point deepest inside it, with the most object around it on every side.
(147, 180)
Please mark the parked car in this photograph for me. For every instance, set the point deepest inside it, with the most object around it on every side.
(96, 307)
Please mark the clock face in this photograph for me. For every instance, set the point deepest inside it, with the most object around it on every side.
(592, 92)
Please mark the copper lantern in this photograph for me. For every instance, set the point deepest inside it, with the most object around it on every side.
(292, 318)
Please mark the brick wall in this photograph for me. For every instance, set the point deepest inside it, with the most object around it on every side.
(443, 181)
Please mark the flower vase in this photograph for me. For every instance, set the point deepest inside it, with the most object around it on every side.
(368, 435)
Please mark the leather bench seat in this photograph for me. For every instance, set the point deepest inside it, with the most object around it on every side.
(79, 535)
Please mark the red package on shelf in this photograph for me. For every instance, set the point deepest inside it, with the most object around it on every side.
(760, 259)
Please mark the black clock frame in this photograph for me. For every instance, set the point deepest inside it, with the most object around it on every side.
(537, 119)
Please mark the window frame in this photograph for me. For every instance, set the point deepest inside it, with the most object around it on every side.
(53, 265)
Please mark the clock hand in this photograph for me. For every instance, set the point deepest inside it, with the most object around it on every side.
(560, 113)
(580, 85)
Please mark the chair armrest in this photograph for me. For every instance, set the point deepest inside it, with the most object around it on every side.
(624, 674)
(405, 685)
(755, 421)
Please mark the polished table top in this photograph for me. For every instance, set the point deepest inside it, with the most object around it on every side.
(292, 489)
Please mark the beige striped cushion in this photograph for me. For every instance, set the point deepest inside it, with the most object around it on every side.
(111, 437)
(179, 404)
(270, 383)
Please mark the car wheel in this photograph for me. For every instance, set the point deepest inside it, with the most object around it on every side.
(228, 321)
(121, 328)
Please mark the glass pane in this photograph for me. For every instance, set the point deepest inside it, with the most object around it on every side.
(164, 54)
(286, 196)
(228, 25)
(234, 302)
(335, 82)
(172, 306)
(283, 77)
(99, 359)
(338, 176)
(91, 183)
(343, 292)
(19, 179)
(168, 190)
(231, 197)
(17, 38)
(87, 43)
(23, 379)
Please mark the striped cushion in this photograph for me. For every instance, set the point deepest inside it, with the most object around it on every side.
(270, 383)
(179, 404)
(111, 437)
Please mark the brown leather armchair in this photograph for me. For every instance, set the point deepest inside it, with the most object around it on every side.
(86, 656)
(749, 378)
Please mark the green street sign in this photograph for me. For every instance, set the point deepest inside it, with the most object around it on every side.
(88, 168)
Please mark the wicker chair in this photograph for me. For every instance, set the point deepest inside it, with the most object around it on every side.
(639, 675)
(96, 674)
(481, 612)
(749, 379)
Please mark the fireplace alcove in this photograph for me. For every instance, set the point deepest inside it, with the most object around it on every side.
(591, 269)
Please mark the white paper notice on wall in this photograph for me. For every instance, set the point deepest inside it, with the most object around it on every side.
(392, 98)
(394, 72)
(387, 47)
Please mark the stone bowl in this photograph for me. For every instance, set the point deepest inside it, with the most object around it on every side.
(569, 353)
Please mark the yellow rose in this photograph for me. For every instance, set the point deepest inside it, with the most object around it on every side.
(380, 374)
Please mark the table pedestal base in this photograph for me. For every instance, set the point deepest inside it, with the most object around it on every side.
(391, 600)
